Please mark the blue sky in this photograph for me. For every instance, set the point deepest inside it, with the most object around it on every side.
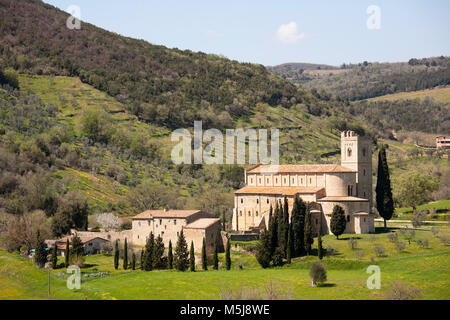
(275, 32)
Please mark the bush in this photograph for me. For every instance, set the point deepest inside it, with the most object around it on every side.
(352, 243)
(400, 246)
(423, 243)
(435, 231)
(393, 237)
(318, 273)
(402, 291)
(418, 218)
(331, 251)
(379, 250)
(277, 258)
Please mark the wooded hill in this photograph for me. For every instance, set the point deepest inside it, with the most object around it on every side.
(367, 80)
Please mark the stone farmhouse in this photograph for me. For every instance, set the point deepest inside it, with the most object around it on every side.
(92, 244)
(442, 142)
(168, 224)
(348, 185)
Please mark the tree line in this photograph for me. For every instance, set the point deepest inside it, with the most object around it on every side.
(286, 238)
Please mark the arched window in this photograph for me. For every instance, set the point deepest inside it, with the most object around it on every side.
(364, 152)
(348, 218)
(257, 200)
(349, 152)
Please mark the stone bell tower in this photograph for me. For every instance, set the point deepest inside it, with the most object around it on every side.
(356, 154)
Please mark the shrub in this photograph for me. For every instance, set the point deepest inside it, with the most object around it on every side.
(379, 250)
(393, 237)
(435, 231)
(271, 291)
(352, 243)
(331, 251)
(402, 291)
(359, 254)
(400, 246)
(418, 218)
(318, 273)
(277, 258)
(445, 240)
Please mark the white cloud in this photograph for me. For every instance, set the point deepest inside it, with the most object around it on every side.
(288, 33)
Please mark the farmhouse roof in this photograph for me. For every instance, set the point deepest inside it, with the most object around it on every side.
(202, 223)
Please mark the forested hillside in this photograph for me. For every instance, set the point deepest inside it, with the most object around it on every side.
(161, 85)
(367, 80)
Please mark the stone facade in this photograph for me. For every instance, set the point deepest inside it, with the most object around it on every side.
(324, 186)
(168, 224)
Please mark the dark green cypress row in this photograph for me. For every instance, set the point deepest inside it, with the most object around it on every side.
(181, 253)
(54, 256)
(40, 256)
(309, 235)
(204, 257)
(133, 261)
(192, 257)
(116, 255)
(125, 255)
(384, 201)
(170, 256)
(67, 254)
(228, 255)
(215, 256)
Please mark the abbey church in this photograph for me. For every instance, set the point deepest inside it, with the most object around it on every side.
(348, 185)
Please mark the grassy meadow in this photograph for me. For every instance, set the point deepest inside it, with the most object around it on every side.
(425, 268)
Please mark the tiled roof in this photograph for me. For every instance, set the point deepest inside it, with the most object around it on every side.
(288, 191)
(299, 168)
(202, 223)
(148, 214)
(345, 199)
(83, 239)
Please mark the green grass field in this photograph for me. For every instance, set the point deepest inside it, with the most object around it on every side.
(440, 94)
(425, 268)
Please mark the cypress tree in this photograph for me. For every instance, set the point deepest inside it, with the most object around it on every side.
(142, 259)
(228, 255)
(116, 255)
(54, 256)
(298, 227)
(158, 254)
(67, 254)
(192, 257)
(204, 257)
(273, 231)
(170, 256)
(181, 253)
(283, 226)
(148, 253)
(223, 222)
(77, 246)
(40, 256)
(384, 201)
(289, 248)
(215, 256)
(319, 246)
(338, 222)
(133, 261)
(125, 255)
(263, 255)
(309, 236)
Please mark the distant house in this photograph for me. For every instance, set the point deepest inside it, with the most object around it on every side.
(442, 142)
(91, 244)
